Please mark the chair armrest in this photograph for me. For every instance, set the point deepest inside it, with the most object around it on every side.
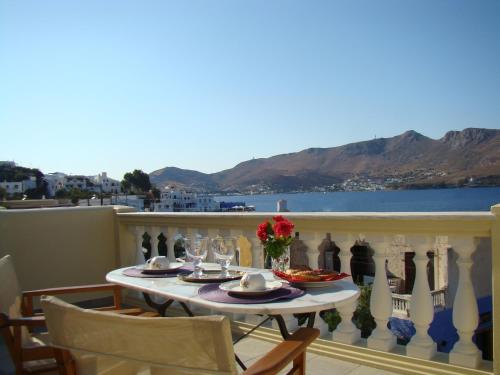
(71, 289)
(284, 353)
(32, 321)
(28, 295)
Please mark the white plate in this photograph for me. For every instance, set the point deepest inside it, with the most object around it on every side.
(234, 287)
(171, 268)
(312, 284)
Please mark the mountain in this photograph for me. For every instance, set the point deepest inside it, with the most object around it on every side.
(470, 156)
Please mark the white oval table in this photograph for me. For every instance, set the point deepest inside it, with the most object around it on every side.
(314, 300)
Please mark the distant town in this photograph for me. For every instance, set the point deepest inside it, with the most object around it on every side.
(59, 189)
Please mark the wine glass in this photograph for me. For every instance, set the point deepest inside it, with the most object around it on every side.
(224, 249)
(196, 250)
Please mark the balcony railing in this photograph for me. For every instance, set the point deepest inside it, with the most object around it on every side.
(401, 302)
(452, 236)
(55, 247)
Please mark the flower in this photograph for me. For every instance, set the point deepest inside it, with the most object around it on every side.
(275, 237)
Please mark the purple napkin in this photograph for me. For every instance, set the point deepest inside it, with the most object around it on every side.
(211, 292)
(137, 272)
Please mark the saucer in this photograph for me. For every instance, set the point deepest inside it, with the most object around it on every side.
(234, 288)
(173, 267)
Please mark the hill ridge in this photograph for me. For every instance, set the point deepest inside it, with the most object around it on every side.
(467, 157)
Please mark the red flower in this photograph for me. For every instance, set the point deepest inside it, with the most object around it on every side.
(262, 231)
(283, 228)
(278, 218)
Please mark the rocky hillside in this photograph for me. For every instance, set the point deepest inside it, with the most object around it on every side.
(407, 160)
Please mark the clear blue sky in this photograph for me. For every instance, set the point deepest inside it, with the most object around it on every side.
(90, 86)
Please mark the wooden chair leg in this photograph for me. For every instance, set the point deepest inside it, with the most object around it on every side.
(299, 364)
(65, 362)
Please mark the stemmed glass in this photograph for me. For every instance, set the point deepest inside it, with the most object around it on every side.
(224, 249)
(196, 250)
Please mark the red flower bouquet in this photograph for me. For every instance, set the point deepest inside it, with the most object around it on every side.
(275, 236)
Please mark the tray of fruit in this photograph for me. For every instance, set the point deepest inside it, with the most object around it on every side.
(308, 278)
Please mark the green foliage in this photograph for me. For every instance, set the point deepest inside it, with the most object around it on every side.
(362, 317)
(332, 318)
(3, 193)
(36, 193)
(137, 181)
(18, 174)
(156, 193)
(61, 194)
(76, 194)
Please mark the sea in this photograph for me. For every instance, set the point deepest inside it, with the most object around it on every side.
(463, 199)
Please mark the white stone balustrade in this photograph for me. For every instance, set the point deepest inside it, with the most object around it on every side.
(418, 232)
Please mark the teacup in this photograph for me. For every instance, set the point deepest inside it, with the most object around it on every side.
(253, 282)
(157, 263)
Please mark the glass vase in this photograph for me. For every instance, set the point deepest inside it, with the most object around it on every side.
(281, 263)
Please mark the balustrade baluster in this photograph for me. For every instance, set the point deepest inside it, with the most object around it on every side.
(421, 305)
(155, 232)
(465, 311)
(139, 252)
(346, 331)
(171, 233)
(312, 241)
(256, 248)
(244, 253)
(381, 298)
(212, 233)
(344, 242)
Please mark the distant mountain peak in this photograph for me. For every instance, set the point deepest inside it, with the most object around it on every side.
(412, 135)
(457, 139)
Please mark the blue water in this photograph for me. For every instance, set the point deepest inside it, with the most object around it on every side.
(477, 199)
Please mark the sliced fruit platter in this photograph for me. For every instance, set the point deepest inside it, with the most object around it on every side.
(310, 278)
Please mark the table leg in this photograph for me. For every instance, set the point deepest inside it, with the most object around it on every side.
(161, 308)
(310, 320)
(282, 325)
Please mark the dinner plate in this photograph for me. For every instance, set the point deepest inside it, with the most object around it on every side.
(212, 276)
(312, 284)
(234, 287)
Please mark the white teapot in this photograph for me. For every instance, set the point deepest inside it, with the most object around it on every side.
(253, 282)
(157, 263)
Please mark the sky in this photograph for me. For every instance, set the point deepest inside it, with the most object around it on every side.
(92, 86)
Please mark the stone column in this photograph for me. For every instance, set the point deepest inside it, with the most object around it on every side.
(346, 331)
(381, 298)
(155, 232)
(421, 305)
(171, 233)
(465, 311)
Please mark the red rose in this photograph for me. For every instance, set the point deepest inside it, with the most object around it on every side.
(262, 231)
(283, 228)
(278, 218)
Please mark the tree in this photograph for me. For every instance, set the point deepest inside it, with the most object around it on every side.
(61, 194)
(137, 181)
(77, 194)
